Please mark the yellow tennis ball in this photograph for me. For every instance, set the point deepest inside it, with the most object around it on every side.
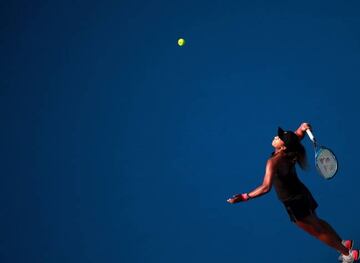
(181, 42)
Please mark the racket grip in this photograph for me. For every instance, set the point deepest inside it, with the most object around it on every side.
(311, 135)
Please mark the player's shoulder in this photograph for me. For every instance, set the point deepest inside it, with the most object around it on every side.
(276, 160)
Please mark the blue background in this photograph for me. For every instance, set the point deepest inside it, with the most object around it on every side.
(117, 145)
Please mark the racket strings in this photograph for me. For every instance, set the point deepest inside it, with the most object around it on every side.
(326, 163)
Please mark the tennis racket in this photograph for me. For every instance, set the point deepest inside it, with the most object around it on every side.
(325, 160)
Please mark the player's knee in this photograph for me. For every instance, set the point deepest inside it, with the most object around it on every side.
(313, 225)
(319, 228)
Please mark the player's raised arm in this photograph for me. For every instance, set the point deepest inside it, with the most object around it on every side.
(300, 132)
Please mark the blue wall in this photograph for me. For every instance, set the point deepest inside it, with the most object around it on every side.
(118, 145)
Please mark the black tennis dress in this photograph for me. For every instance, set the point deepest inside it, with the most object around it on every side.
(295, 196)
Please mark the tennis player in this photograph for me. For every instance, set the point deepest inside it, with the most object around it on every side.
(295, 196)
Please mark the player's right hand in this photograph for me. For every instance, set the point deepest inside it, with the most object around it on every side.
(305, 126)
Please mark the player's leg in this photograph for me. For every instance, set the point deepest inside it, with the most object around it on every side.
(314, 226)
(330, 229)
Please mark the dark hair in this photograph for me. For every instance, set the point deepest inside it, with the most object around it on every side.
(294, 149)
(298, 155)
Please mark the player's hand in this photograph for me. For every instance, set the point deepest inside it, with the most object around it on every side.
(238, 198)
(305, 126)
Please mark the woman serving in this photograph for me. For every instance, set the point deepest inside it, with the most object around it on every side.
(295, 196)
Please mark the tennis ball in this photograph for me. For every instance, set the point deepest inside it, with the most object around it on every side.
(181, 42)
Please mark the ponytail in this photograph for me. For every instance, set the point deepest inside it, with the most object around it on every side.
(299, 156)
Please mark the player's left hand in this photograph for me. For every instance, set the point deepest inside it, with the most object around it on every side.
(238, 198)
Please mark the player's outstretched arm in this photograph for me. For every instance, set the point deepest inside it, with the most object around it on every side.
(264, 188)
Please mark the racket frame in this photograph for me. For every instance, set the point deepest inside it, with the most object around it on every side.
(317, 150)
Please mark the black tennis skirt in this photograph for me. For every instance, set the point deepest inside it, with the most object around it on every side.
(300, 207)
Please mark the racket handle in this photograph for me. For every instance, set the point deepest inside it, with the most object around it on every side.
(311, 135)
